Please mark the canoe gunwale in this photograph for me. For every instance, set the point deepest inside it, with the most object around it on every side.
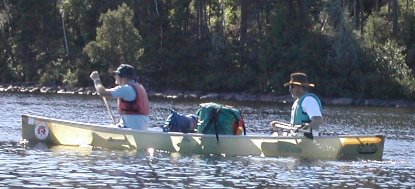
(112, 128)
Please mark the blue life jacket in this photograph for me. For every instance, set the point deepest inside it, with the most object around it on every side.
(300, 117)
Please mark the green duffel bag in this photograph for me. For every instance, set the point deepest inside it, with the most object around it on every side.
(219, 119)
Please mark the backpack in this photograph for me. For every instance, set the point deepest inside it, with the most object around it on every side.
(219, 119)
(177, 122)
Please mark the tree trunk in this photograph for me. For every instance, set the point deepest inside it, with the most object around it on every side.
(292, 10)
(206, 21)
(243, 31)
(407, 8)
(258, 18)
(361, 16)
(223, 16)
(395, 17)
(350, 6)
(202, 22)
(199, 16)
(389, 8)
(356, 14)
(301, 8)
(377, 6)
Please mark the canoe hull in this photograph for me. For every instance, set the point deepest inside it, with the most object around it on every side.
(62, 132)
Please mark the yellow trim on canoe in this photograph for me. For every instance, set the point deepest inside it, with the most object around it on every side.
(361, 140)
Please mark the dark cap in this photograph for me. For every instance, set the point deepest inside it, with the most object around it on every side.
(125, 70)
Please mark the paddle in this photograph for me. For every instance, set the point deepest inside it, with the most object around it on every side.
(109, 110)
(296, 128)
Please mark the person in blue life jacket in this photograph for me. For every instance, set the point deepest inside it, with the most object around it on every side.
(307, 109)
(133, 104)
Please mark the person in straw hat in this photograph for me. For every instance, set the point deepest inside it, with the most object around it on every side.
(306, 111)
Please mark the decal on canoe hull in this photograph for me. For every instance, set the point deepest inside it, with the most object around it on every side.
(41, 130)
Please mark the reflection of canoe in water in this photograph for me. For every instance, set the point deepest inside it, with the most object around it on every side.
(62, 132)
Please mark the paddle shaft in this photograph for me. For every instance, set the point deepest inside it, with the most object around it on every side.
(296, 128)
(284, 125)
(291, 128)
(109, 110)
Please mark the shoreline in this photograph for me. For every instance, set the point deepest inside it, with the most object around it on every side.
(231, 96)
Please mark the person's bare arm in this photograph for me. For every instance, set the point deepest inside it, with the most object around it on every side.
(316, 121)
(99, 87)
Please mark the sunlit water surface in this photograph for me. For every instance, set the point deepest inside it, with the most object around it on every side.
(67, 167)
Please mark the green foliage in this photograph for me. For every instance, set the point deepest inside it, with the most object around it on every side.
(287, 47)
(345, 64)
(117, 41)
(391, 62)
(52, 74)
(389, 57)
(5, 75)
(347, 49)
(377, 31)
(30, 28)
(71, 78)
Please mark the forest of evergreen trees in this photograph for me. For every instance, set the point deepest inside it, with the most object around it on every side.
(349, 48)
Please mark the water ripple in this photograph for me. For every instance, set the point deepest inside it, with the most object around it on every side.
(41, 166)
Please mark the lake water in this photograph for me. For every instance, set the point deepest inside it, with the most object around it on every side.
(42, 166)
